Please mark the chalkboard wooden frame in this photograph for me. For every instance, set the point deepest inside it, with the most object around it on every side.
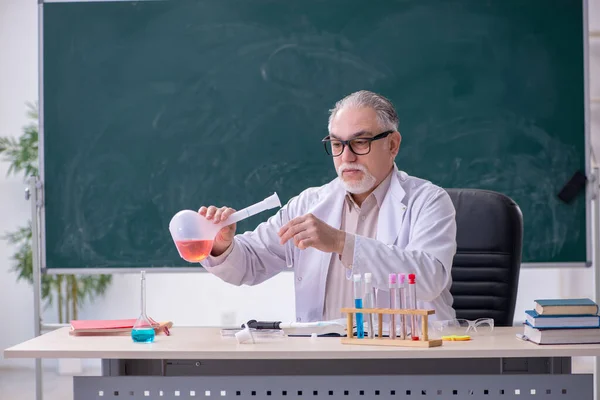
(42, 220)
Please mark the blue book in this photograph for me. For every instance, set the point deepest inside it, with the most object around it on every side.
(561, 321)
(561, 336)
(566, 307)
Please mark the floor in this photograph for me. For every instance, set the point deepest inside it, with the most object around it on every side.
(19, 383)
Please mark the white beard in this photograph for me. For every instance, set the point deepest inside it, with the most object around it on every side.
(357, 187)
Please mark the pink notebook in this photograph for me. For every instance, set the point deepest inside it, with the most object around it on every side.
(88, 324)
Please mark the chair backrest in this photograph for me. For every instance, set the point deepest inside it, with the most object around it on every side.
(485, 270)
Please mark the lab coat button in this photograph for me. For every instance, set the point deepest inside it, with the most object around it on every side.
(298, 319)
(299, 278)
(363, 217)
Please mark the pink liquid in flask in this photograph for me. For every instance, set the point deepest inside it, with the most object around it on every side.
(194, 250)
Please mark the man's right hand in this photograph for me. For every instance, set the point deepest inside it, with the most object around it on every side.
(225, 236)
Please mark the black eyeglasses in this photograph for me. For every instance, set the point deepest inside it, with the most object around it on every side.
(359, 146)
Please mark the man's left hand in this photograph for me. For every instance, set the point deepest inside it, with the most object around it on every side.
(309, 231)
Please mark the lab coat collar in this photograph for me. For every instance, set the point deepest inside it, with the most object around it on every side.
(329, 208)
(392, 210)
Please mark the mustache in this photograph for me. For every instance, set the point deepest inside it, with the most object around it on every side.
(348, 166)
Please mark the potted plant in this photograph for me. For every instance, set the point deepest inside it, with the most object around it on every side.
(66, 292)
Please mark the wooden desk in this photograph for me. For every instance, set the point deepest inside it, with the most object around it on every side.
(196, 362)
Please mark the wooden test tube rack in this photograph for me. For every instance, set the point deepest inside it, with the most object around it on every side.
(423, 341)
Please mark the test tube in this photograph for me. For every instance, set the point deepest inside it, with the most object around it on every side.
(358, 303)
(392, 285)
(284, 219)
(402, 304)
(414, 319)
(369, 297)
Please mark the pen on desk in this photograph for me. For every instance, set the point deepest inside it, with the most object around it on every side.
(392, 281)
(402, 305)
(360, 332)
(369, 298)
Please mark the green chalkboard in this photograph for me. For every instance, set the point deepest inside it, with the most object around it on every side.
(156, 106)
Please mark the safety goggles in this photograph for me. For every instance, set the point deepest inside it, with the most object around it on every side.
(479, 327)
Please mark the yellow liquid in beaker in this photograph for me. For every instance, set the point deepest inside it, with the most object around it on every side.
(194, 250)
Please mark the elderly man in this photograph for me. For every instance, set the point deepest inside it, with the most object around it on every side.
(371, 218)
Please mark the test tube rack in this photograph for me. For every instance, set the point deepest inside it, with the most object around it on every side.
(423, 341)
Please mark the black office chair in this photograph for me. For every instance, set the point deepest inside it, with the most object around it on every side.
(485, 270)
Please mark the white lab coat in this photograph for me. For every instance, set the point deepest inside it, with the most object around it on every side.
(416, 233)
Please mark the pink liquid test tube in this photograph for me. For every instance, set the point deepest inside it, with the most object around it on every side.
(414, 319)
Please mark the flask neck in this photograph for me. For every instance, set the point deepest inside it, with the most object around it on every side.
(143, 296)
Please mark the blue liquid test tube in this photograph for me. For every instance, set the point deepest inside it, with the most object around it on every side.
(358, 303)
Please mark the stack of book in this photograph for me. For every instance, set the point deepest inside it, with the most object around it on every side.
(563, 321)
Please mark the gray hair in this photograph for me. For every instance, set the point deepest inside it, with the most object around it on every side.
(386, 114)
